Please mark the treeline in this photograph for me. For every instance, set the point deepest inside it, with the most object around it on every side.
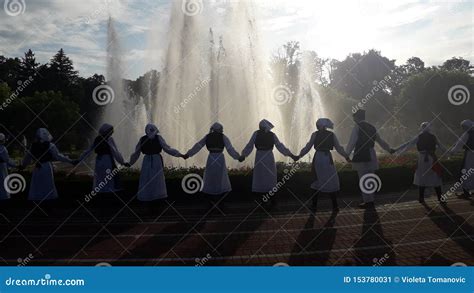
(397, 98)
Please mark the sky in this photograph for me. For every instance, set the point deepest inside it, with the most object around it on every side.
(432, 30)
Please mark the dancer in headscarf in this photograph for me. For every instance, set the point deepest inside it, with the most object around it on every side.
(466, 142)
(363, 138)
(152, 183)
(265, 171)
(106, 177)
(428, 171)
(216, 180)
(326, 178)
(42, 153)
(5, 163)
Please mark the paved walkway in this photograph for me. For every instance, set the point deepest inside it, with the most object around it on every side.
(400, 231)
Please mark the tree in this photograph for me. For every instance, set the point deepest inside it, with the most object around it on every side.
(356, 75)
(415, 65)
(401, 74)
(9, 70)
(28, 69)
(56, 113)
(61, 73)
(426, 95)
(458, 63)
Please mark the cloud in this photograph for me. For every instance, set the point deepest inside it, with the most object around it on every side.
(433, 30)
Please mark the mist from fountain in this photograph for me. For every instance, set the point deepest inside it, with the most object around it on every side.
(215, 68)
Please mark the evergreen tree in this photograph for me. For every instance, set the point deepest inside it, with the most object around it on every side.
(61, 72)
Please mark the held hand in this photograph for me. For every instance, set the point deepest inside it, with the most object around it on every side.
(295, 157)
(185, 156)
(127, 165)
(348, 159)
(241, 159)
(392, 151)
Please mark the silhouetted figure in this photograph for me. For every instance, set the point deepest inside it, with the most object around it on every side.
(428, 171)
(42, 153)
(466, 142)
(264, 171)
(216, 179)
(363, 138)
(5, 163)
(106, 177)
(152, 183)
(325, 173)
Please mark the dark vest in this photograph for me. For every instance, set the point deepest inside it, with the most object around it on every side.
(150, 146)
(365, 142)
(215, 142)
(264, 140)
(426, 142)
(40, 152)
(324, 140)
(470, 141)
(101, 147)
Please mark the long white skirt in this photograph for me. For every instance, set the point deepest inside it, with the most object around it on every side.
(371, 165)
(3, 174)
(264, 172)
(327, 178)
(468, 183)
(152, 179)
(216, 179)
(105, 179)
(424, 175)
(42, 183)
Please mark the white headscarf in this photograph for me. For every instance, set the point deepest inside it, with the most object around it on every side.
(425, 127)
(265, 125)
(2, 138)
(217, 127)
(151, 130)
(324, 123)
(105, 129)
(467, 124)
(43, 135)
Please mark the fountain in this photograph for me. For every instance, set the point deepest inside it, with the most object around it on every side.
(215, 69)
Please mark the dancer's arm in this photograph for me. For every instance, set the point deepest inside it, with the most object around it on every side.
(197, 147)
(230, 149)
